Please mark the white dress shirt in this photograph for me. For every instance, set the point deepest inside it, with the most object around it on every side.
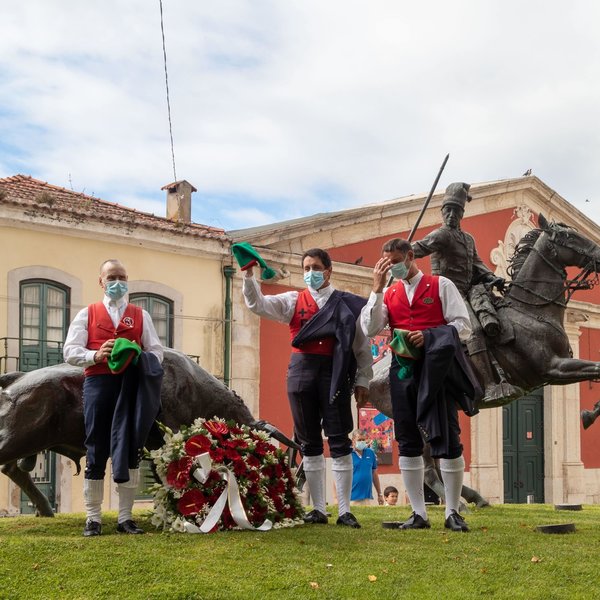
(280, 307)
(75, 350)
(374, 316)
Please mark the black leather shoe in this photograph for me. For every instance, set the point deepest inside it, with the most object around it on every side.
(315, 516)
(455, 522)
(129, 526)
(92, 528)
(416, 521)
(348, 520)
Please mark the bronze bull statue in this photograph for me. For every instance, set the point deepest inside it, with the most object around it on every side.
(42, 410)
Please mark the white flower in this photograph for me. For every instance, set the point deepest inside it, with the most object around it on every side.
(178, 525)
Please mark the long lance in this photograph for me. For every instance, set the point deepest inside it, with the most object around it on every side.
(425, 205)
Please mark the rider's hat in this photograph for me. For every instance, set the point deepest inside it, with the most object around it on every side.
(458, 194)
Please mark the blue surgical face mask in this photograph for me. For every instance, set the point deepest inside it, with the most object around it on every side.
(399, 270)
(314, 279)
(361, 445)
(115, 290)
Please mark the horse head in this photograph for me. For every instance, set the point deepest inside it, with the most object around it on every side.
(570, 247)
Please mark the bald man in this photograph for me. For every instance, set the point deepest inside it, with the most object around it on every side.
(89, 343)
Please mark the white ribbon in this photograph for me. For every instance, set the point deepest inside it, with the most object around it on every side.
(231, 493)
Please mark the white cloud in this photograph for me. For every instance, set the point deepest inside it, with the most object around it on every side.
(292, 108)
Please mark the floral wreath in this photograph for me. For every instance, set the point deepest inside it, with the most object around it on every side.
(217, 474)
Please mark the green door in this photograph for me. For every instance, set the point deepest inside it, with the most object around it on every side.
(523, 442)
(44, 317)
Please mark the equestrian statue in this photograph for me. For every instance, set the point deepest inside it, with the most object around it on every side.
(527, 348)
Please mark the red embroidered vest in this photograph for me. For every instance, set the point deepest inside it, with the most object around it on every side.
(426, 310)
(101, 328)
(306, 307)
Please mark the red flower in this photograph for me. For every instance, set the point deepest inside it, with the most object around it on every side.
(253, 489)
(252, 461)
(268, 471)
(231, 454)
(253, 476)
(262, 448)
(241, 444)
(216, 428)
(276, 488)
(239, 467)
(198, 444)
(217, 454)
(191, 502)
(213, 478)
(178, 472)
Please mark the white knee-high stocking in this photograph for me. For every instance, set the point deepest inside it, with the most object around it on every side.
(453, 470)
(413, 476)
(93, 494)
(127, 493)
(314, 468)
(341, 468)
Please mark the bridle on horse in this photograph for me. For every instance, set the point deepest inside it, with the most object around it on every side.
(581, 281)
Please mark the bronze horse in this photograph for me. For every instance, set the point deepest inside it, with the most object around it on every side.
(42, 410)
(533, 349)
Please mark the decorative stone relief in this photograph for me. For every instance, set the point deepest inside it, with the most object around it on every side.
(501, 255)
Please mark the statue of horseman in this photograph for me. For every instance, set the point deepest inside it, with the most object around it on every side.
(454, 255)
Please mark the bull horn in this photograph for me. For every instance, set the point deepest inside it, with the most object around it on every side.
(275, 433)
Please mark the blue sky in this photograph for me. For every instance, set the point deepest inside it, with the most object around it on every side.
(283, 108)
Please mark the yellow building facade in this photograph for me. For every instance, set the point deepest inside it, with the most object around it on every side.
(52, 242)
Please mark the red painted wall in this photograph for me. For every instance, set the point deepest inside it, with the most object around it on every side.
(275, 350)
(589, 349)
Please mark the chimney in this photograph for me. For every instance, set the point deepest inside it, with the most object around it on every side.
(179, 201)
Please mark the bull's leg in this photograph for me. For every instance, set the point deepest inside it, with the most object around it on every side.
(572, 370)
(471, 495)
(28, 463)
(24, 481)
(434, 482)
(432, 479)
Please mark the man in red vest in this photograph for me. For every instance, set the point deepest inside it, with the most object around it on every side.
(89, 343)
(421, 305)
(331, 357)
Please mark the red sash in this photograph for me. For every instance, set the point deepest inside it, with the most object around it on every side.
(426, 310)
(101, 328)
(305, 308)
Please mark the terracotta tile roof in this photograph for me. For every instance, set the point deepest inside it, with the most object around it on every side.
(33, 194)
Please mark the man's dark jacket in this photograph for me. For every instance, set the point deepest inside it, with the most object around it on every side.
(444, 376)
(137, 407)
(336, 319)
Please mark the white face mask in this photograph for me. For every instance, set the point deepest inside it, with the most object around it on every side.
(314, 279)
(115, 290)
(361, 445)
(400, 270)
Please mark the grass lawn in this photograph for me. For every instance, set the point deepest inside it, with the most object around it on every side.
(502, 557)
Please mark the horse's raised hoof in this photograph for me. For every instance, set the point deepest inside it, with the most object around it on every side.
(499, 394)
(587, 418)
